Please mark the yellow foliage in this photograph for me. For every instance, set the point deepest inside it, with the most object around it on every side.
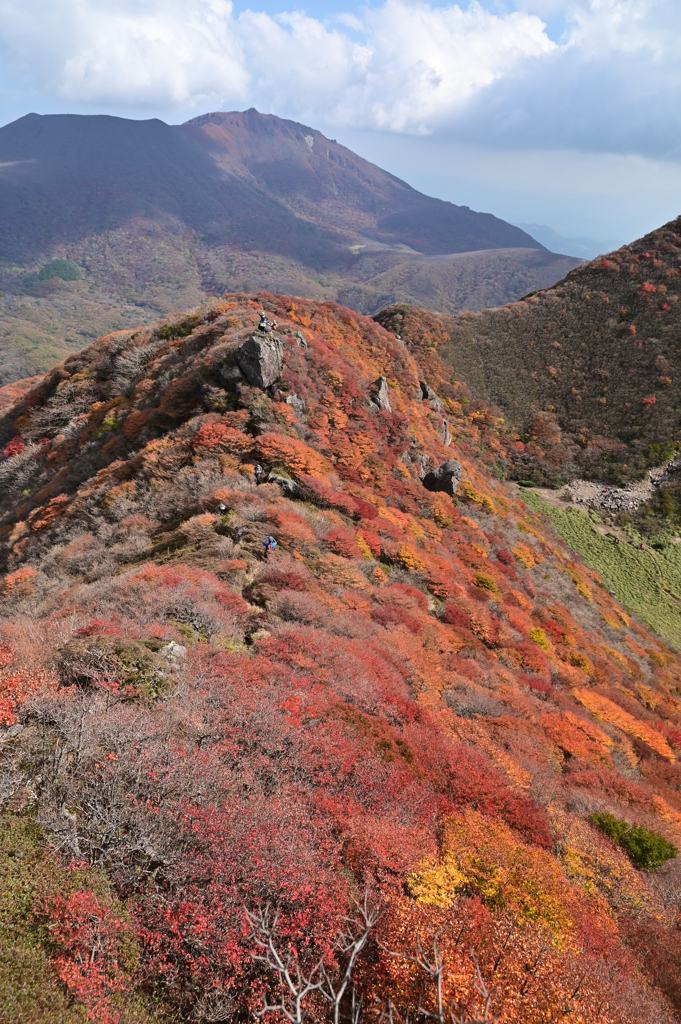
(485, 857)
(580, 660)
(341, 572)
(670, 817)
(469, 492)
(599, 866)
(539, 637)
(363, 546)
(579, 583)
(410, 558)
(527, 556)
(606, 710)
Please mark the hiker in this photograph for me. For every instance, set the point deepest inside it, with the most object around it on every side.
(269, 545)
(257, 472)
(265, 326)
(222, 508)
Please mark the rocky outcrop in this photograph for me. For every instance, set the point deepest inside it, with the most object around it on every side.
(297, 404)
(260, 359)
(446, 477)
(443, 431)
(231, 378)
(428, 395)
(380, 398)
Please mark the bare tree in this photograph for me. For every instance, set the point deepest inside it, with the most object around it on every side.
(298, 986)
(432, 963)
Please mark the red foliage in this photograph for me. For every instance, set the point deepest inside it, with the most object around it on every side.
(456, 616)
(86, 931)
(343, 542)
(15, 447)
(286, 579)
(392, 615)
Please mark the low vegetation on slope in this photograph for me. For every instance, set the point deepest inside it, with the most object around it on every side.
(645, 579)
(386, 755)
(587, 371)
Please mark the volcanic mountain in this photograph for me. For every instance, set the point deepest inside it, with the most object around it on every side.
(420, 733)
(158, 217)
(587, 371)
(246, 179)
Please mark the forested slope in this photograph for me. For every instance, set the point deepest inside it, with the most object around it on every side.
(587, 371)
(423, 722)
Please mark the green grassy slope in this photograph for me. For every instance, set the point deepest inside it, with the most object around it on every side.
(646, 581)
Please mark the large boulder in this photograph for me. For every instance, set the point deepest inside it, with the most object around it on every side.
(446, 477)
(381, 399)
(231, 378)
(260, 359)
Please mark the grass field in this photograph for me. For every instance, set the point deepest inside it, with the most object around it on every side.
(647, 582)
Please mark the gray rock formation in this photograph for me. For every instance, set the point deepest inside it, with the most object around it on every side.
(415, 457)
(231, 377)
(443, 431)
(380, 398)
(446, 477)
(297, 404)
(428, 395)
(260, 359)
(289, 487)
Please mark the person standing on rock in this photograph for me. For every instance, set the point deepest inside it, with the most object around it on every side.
(257, 472)
(265, 326)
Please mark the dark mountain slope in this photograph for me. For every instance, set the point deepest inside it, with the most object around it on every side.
(588, 371)
(422, 699)
(327, 183)
(67, 177)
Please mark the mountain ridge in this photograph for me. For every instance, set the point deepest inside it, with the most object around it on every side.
(161, 217)
(422, 705)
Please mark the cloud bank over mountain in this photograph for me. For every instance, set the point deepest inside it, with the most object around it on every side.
(562, 112)
(591, 74)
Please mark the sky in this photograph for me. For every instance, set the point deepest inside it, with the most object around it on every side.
(557, 112)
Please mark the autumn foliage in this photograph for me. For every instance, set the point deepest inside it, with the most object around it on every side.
(422, 701)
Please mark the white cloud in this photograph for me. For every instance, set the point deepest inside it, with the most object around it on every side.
(415, 65)
(476, 71)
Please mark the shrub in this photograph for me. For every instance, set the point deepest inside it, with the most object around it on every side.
(539, 637)
(65, 270)
(456, 617)
(645, 849)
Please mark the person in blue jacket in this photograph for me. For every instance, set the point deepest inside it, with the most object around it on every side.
(269, 545)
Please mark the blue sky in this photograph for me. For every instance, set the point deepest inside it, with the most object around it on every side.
(563, 112)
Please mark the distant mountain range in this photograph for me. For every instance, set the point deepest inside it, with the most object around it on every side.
(159, 217)
(582, 247)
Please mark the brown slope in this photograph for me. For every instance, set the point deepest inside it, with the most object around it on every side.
(587, 370)
(329, 185)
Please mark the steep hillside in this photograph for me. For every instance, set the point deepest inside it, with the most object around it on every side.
(160, 217)
(253, 180)
(421, 742)
(587, 370)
